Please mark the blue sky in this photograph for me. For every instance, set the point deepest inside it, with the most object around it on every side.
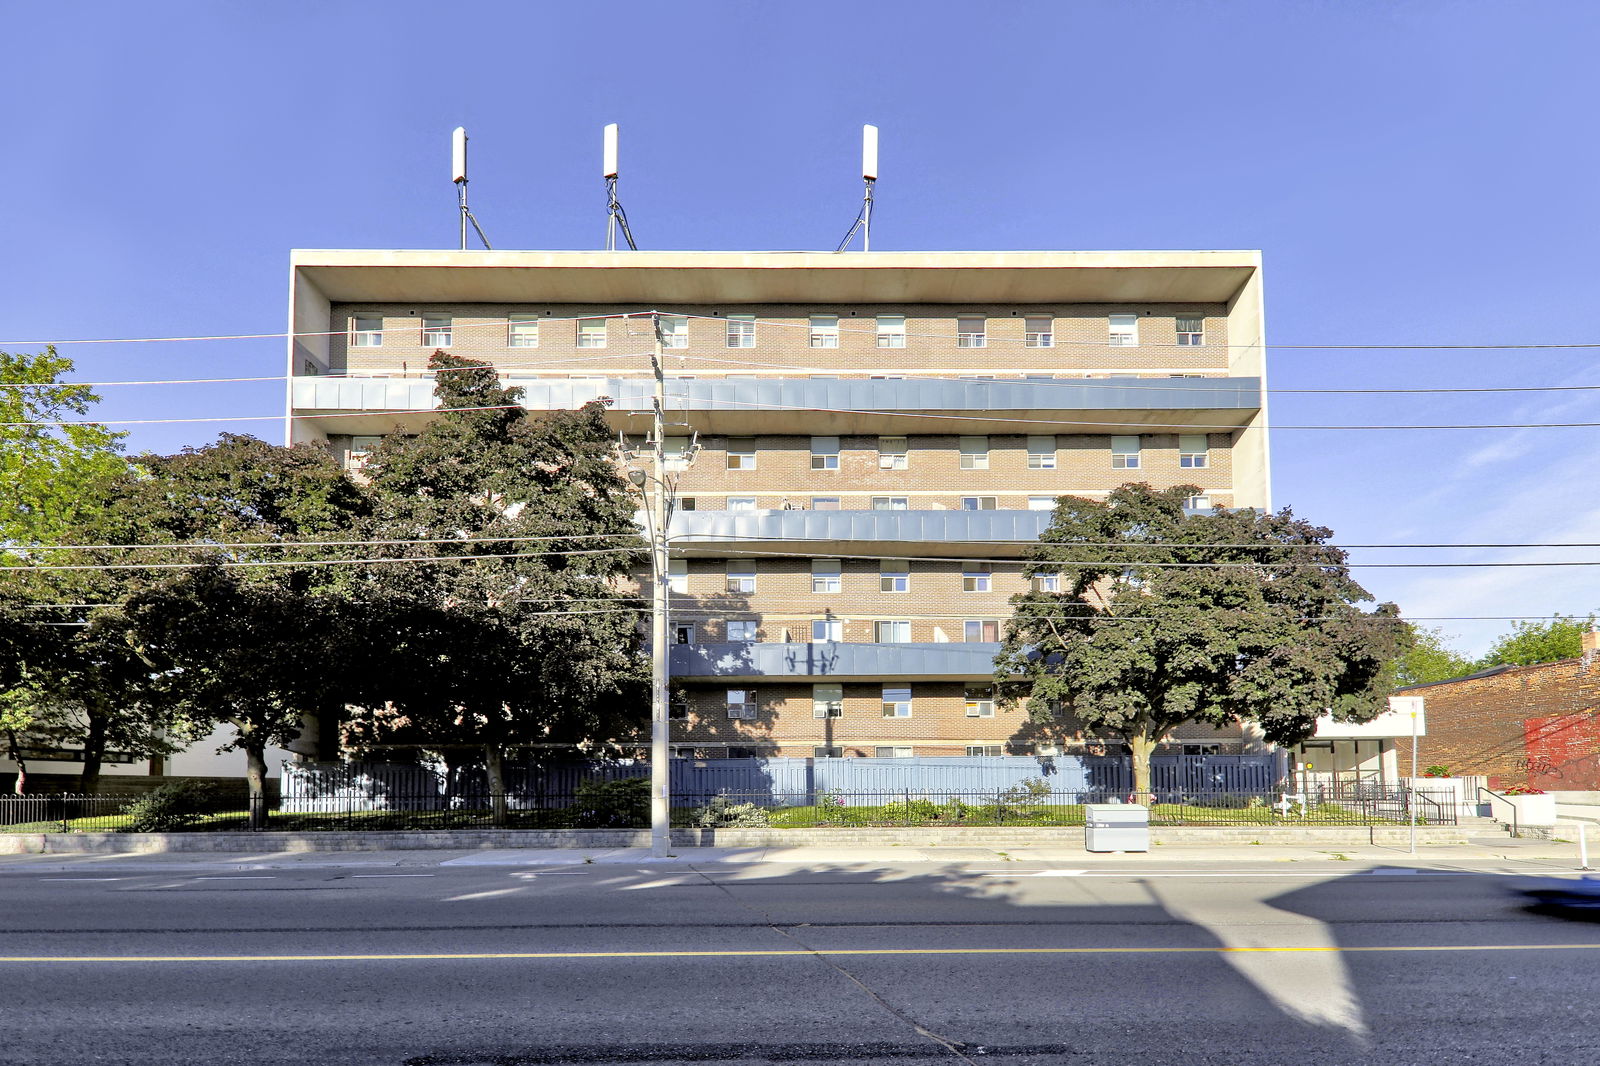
(1415, 174)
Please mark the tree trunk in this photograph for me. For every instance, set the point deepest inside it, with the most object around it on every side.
(1141, 745)
(94, 749)
(494, 764)
(255, 775)
(14, 753)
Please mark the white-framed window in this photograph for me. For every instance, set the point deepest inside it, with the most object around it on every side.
(1201, 502)
(897, 701)
(436, 331)
(522, 331)
(891, 331)
(824, 503)
(827, 701)
(1125, 453)
(741, 703)
(886, 377)
(893, 453)
(742, 631)
(591, 333)
(675, 452)
(979, 503)
(1191, 331)
(894, 575)
(893, 751)
(974, 453)
(687, 503)
(1046, 582)
(822, 377)
(824, 453)
(890, 503)
(824, 630)
(741, 453)
(1041, 503)
(1038, 332)
(360, 448)
(741, 576)
(366, 331)
(674, 331)
(824, 331)
(891, 632)
(985, 749)
(976, 576)
(683, 632)
(1042, 451)
(826, 575)
(980, 702)
(834, 752)
(981, 630)
(972, 331)
(741, 331)
(1123, 331)
(678, 709)
(1194, 451)
(678, 575)
(741, 503)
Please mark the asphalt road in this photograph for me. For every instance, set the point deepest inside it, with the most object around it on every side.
(911, 963)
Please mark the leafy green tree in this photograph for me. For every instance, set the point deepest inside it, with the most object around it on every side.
(1165, 618)
(1539, 642)
(48, 474)
(1430, 659)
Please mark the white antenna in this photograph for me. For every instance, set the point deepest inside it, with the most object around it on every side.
(458, 174)
(869, 174)
(615, 217)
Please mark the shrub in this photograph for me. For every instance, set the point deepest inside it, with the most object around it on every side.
(721, 813)
(917, 810)
(172, 807)
(623, 804)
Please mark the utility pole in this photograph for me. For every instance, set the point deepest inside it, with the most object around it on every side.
(660, 767)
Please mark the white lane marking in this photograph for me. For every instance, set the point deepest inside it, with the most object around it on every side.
(483, 895)
(391, 875)
(80, 879)
(665, 882)
(238, 877)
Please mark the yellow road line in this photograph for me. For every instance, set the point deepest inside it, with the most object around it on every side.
(451, 956)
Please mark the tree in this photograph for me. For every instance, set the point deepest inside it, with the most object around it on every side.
(510, 627)
(1165, 618)
(1430, 659)
(48, 473)
(1539, 642)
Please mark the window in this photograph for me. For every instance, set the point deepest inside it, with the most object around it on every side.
(686, 503)
(1191, 331)
(886, 377)
(978, 503)
(985, 749)
(678, 709)
(896, 702)
(976, 577)
(674, 331)
(981, 630)
(891, 632)
(742, 632)
(1041, 503)
(591, 333)
(892, 751)
(824, 453)
(827, 701)
(824, 331)
(741, 576)
(683, 632)
(1193, 451)
(827, 753)
(970, 332)
(678, 575)
(436, 331)
(1038, 333)
(894, 576)
(1124, 331)
(1042, 452)
(824, 503)
(1047, 582)
(522, 331)
(974, 453)
(825, 575)
(360, 448)
(891, 331)
(675, 452)
(741, 331)
(1046, 749)
(822, 377)
(980, 702)
(1197, 503)
(741, 703)
(741, 503)
(366, 331)
(741, 453)
(889, 503)
(1202, 749)
(826, 629)
(892, 453)
(1124, 453)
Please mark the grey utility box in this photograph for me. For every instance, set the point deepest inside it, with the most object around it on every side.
(1116, 827)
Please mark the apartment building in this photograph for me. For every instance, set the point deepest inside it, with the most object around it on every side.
(863, 445)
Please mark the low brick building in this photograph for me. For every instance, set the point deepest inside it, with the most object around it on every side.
(1519, 725)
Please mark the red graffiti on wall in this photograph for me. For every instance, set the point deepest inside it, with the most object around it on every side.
(1563, 751)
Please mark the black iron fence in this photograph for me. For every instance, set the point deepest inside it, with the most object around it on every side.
(625, 804)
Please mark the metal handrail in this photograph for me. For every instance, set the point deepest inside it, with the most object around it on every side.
(1514, 830)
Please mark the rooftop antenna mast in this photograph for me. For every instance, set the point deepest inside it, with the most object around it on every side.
(458, 174)
(616, 217)
(869, 174)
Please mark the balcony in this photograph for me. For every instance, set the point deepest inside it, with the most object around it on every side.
(865, 662)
